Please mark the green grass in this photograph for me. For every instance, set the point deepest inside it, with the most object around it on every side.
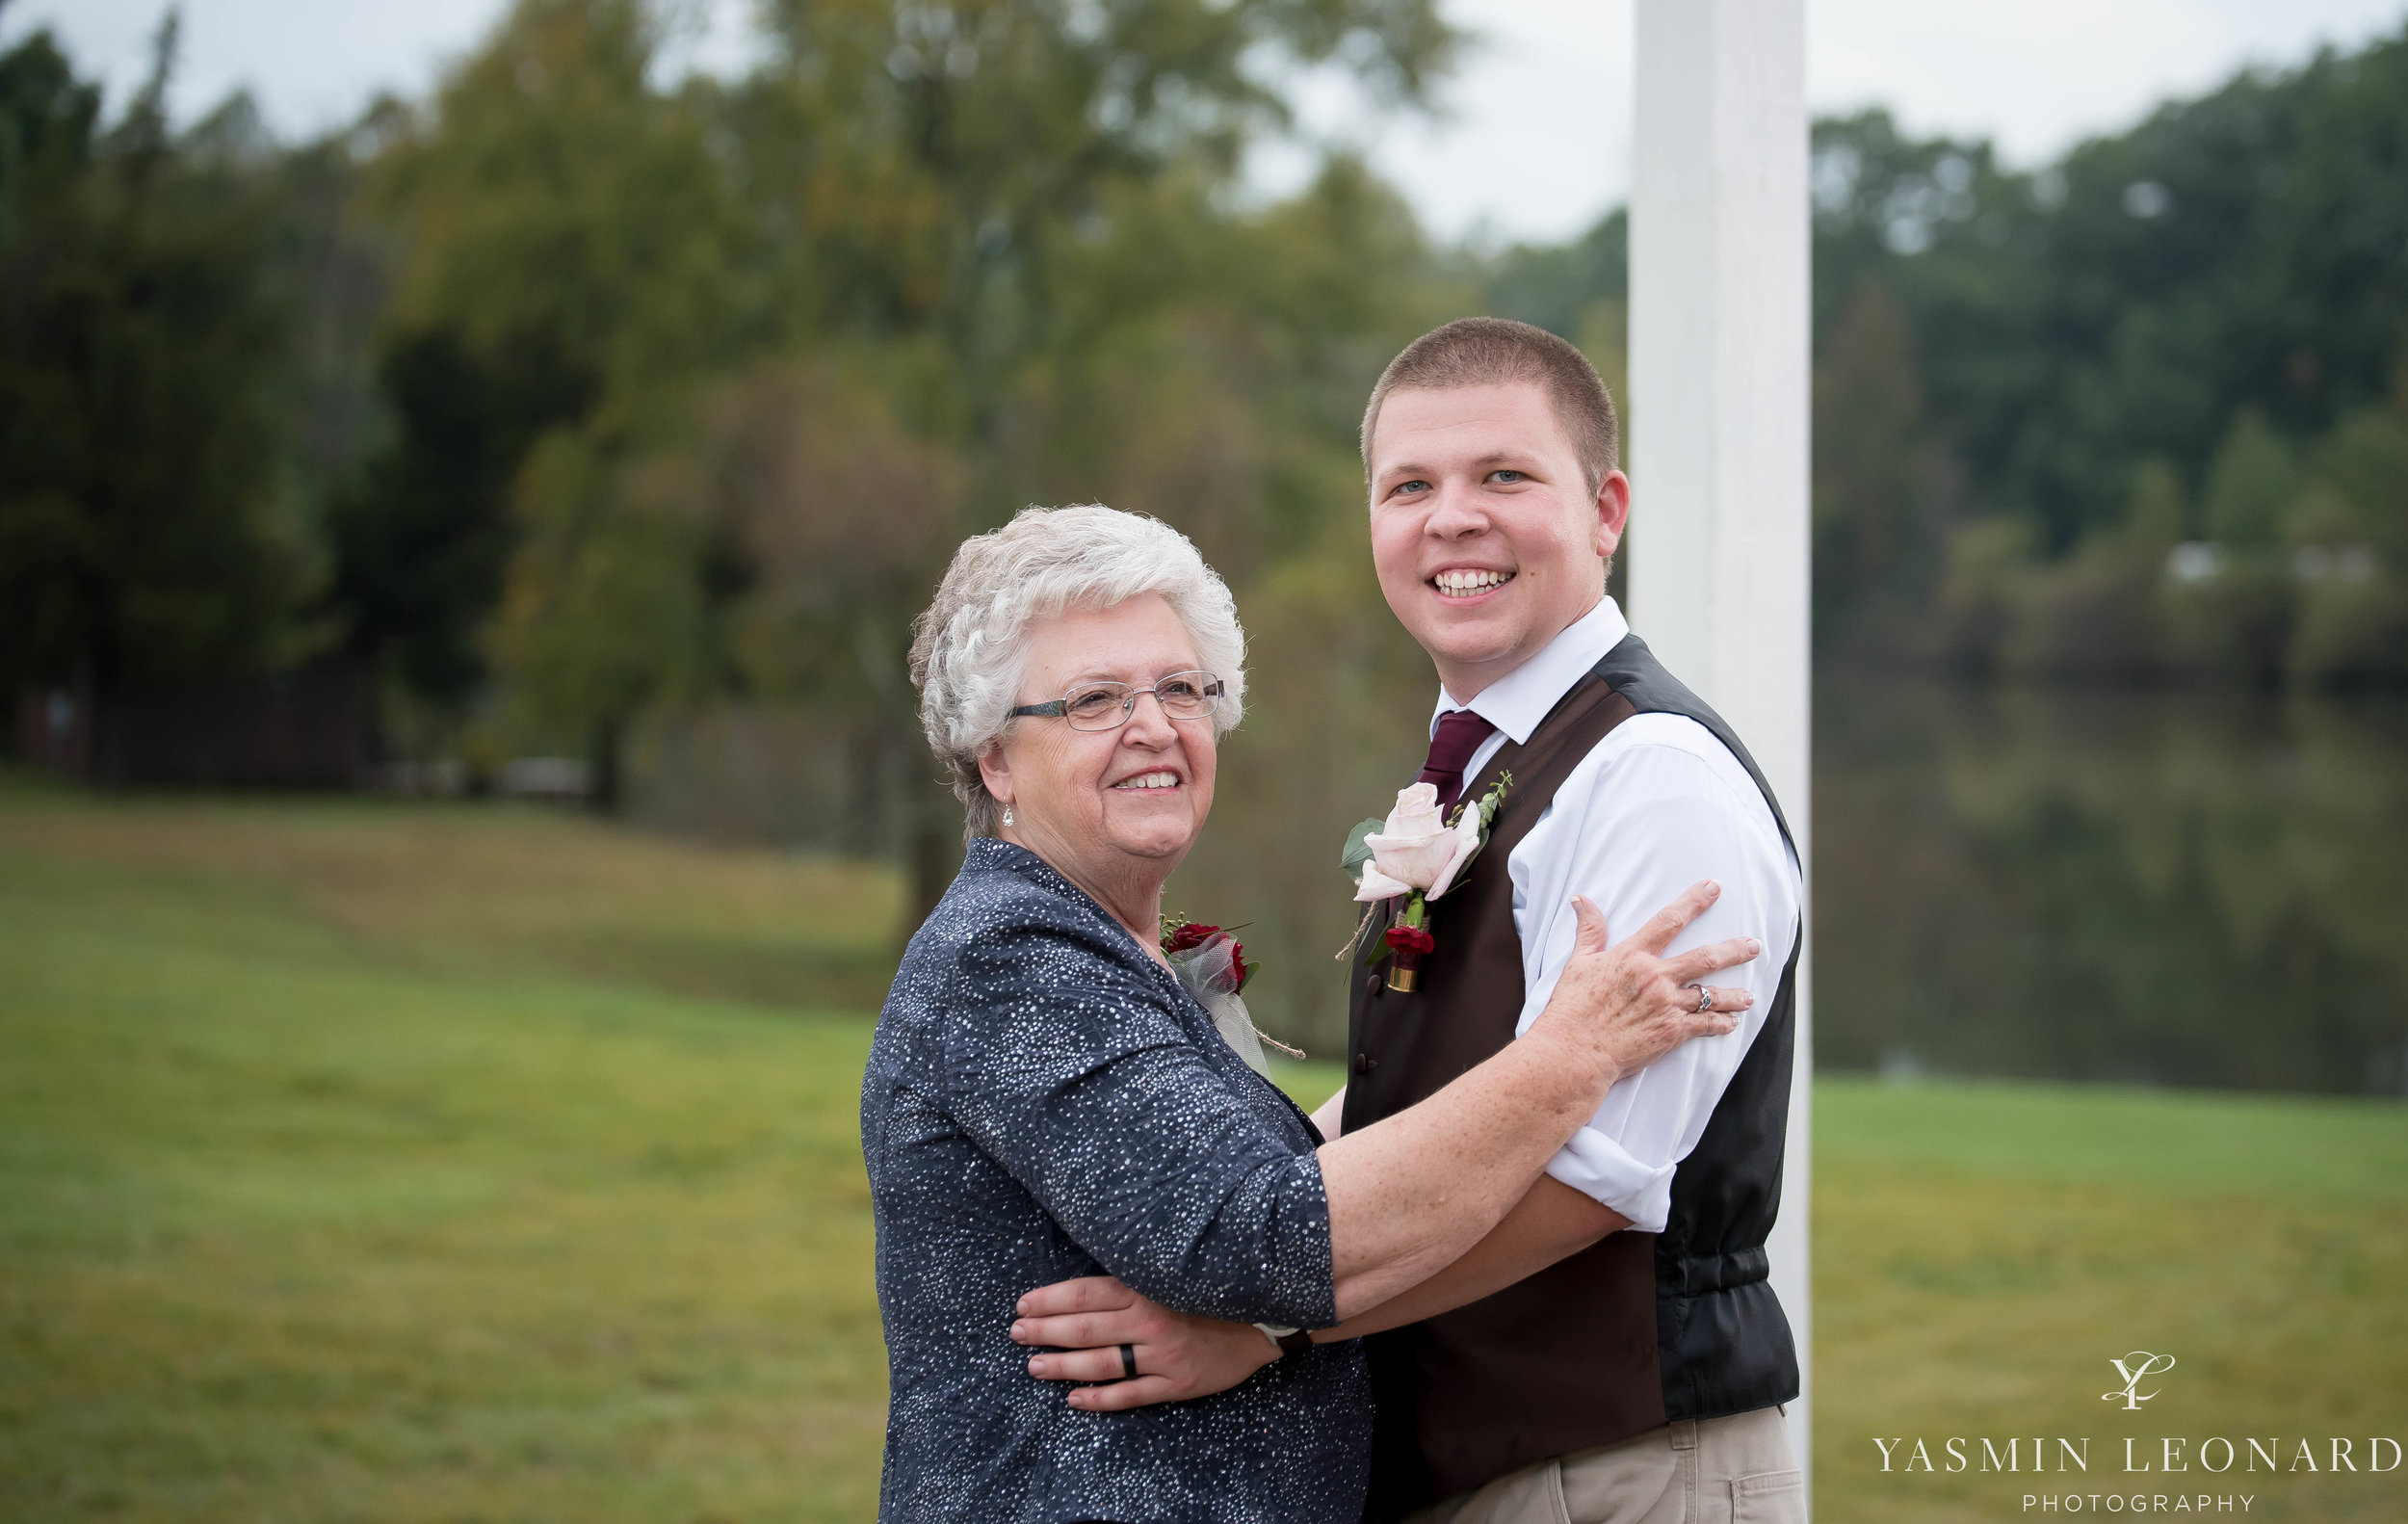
(1981, 1252)
(367, 1161)
(328, 1192)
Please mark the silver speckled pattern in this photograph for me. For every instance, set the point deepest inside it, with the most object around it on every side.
(1044, 1101)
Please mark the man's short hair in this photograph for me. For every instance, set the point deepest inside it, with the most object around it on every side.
(1498, 351)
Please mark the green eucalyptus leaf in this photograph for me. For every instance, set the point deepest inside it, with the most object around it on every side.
(1494, 797)
(1357, 852)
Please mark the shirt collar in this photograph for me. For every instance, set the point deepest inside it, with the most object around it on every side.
(1516, 703)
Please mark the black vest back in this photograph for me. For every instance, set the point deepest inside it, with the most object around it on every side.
(1640, 1329)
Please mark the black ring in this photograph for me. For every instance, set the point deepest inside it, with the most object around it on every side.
(1128, 1362)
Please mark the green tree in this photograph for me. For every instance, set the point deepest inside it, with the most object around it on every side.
(2235, 251)
(2096, 614)
(573, 259)
(1558, 286)
(2362, 464)
(1878, 471)
(2252, 481)
(139, 537)
(1022, 212)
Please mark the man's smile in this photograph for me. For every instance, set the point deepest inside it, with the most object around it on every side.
(1469, 582)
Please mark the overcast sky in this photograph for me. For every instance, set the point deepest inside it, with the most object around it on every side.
(1532, 139)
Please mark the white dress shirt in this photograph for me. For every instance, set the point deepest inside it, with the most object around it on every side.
(1659, 804)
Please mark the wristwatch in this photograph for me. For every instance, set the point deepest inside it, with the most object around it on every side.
(1290, 1341)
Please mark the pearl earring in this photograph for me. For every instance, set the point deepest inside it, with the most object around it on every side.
(1007, 814)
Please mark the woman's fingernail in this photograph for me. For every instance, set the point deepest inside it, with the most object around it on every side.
(1018, 1329)
(1754, 947)
(1022, 1305)
(1712, 888)
(1036, 1367)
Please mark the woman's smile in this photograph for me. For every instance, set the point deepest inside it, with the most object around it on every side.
(1160, 779)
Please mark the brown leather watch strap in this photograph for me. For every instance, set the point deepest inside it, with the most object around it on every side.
(1296, 1343)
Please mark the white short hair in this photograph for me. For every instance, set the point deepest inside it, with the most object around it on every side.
(967, 646)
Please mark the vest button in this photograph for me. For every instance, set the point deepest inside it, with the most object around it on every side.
(1364, 1063)
(1374, 984)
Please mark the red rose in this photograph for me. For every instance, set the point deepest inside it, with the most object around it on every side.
(1410, 939)
(1237, 961)
(1190, 936)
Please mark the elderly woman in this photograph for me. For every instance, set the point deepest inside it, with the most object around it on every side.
(1045, 1100)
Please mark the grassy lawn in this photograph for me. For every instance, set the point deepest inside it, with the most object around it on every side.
(1981, 1252)
(378, 1161)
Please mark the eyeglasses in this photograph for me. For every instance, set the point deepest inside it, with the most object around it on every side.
(1108, 706)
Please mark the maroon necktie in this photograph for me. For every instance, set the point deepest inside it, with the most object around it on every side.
(1460, 734)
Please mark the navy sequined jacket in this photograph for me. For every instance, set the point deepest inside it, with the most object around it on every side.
(1043, 1100)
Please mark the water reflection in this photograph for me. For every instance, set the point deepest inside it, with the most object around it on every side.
(2159, 888)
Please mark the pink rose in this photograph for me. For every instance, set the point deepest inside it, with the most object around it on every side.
(1416, 813)
(1414, 850)
(1467, 835)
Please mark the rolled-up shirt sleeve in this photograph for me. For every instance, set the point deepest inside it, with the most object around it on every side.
(1071, 1070)
(1633, 827)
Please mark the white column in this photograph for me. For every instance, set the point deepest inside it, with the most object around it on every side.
(1718, 540)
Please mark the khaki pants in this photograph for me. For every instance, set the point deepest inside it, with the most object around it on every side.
(1735, 1470)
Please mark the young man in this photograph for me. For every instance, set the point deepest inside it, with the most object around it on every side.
(1612, 1352)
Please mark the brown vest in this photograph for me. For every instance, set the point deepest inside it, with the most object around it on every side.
(1580, 1332)
(1640, 1327)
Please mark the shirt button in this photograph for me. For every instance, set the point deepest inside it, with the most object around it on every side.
(1364, 1063)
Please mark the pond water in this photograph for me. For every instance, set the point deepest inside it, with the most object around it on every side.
(2144, 887)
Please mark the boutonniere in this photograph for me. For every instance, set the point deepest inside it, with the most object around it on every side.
(1211, 964)
(1409, 860)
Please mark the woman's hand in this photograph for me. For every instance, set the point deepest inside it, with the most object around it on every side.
(1179, 1357)
(1634, 1004)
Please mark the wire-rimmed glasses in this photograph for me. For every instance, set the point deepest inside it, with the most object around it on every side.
(1101, 705)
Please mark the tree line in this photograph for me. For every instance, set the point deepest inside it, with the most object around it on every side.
(574, 391)
(2143, 413)
(570, 393)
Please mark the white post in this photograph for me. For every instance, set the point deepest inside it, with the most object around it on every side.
(1719, 334)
